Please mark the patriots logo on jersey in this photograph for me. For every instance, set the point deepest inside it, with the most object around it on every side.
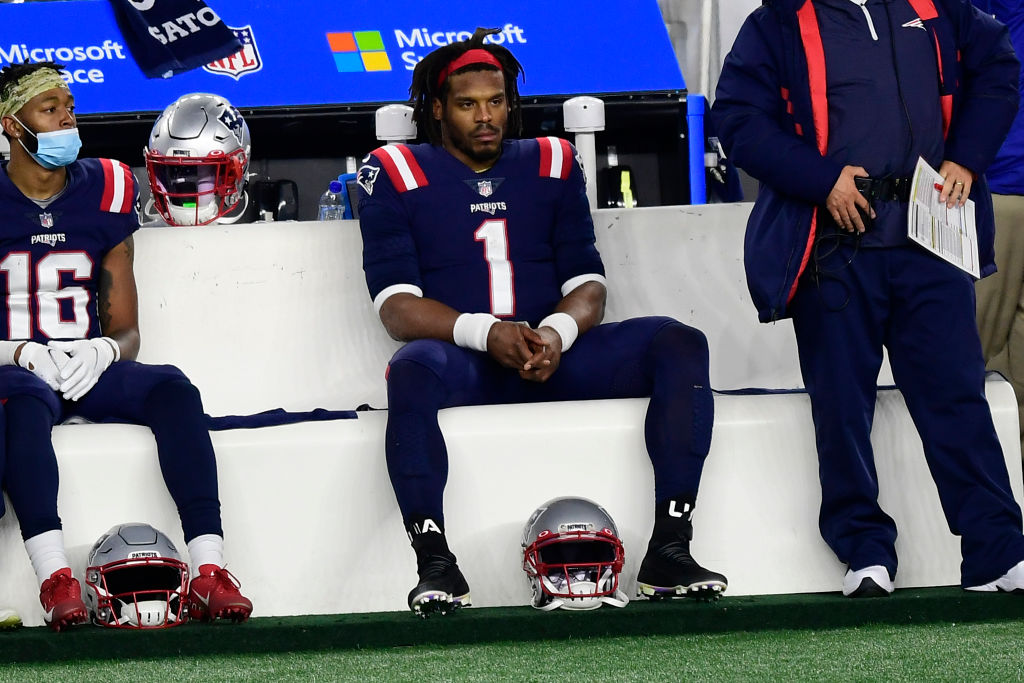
(51, 239)
(366, 177)
(488, 207)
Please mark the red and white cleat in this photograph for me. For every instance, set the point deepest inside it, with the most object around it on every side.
(214, 594)
(61, 597)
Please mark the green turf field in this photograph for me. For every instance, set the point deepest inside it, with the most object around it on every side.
(916, 635)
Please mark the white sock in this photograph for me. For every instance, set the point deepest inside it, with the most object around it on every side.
(46, 552)
(205, 549)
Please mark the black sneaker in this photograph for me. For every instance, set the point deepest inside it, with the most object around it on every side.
(669, 571)
(442, 588)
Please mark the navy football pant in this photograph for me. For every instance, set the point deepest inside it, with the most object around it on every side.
(922, 310)
(656, 357)
(158, 396)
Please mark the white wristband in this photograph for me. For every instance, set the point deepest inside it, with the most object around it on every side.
(470, 331)
(566, 327)
(7, 349)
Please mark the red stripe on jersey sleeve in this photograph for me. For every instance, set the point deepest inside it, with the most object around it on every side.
(545, 156)
(129, 188)
(567, 157)
(390, 168)
(107, 200)
(414, 166)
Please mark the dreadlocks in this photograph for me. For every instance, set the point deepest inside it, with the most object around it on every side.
(425, 86)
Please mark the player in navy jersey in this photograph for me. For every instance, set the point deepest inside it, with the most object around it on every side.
(69, 321)
(479, 252)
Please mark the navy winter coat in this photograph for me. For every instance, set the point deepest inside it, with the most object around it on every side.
(771, 113)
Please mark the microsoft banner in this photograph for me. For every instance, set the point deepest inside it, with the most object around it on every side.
(306, 52)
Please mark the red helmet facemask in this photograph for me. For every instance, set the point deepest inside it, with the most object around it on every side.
(577, 567)
(140, 593)
(195, 190)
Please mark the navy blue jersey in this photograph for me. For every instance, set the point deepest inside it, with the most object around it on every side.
(504, 241)
(50, 258)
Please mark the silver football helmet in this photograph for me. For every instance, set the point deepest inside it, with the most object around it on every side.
(197, 159)
(136, 579)
(573, 556)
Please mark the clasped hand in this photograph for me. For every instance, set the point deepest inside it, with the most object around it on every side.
(43, 362)
(86, 359)
(535, 354)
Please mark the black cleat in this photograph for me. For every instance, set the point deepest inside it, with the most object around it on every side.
(669, 571)
(442, 588)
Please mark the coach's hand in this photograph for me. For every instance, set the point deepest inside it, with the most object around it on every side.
(956, 184)
(846, 203)
(508, 343)
(89, 358)
(547, 354)
(43, 362)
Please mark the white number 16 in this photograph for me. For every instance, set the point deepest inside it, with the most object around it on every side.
(17, 267)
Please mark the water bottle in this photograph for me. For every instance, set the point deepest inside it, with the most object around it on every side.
(332, 203)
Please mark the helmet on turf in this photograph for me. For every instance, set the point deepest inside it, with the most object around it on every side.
(573, 556)
(136, 579)
(197, 159)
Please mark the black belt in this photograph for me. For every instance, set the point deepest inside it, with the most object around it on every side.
(884, 189)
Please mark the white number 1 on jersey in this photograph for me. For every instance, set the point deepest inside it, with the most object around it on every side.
(493, 234)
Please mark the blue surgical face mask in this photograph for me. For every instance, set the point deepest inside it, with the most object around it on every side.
(54, 149)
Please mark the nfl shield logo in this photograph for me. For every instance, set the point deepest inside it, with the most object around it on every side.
(46, 220)
(245, 61)
(485, 188)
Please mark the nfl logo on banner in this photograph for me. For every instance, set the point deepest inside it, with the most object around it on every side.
(245, 61)
(485, 188)
(46, 220)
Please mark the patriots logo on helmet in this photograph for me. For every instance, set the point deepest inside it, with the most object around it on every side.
(366, 177)
(232, 120)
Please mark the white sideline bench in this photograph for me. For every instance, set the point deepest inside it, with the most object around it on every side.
(276, 315)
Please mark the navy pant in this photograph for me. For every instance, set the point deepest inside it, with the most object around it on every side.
(158, 396)
(922, 310)
(656, 357)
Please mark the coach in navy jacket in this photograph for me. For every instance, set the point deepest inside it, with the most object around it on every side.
(766, 108)
(813, 94)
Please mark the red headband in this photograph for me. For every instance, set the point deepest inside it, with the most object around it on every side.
(475, 56)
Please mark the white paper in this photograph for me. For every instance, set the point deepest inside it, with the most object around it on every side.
(950, 234)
